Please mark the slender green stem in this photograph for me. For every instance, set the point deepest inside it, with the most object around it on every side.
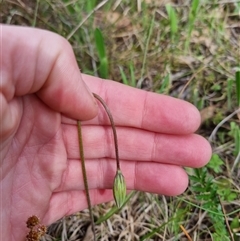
(85, 177)
(113, 127)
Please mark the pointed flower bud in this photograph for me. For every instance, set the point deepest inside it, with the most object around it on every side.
(119, 189)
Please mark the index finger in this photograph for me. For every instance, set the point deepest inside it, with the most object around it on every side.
(141, 109)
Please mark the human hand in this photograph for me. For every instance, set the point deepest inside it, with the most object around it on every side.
(42, 95)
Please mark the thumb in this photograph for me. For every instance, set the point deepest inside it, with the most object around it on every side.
(46, 66)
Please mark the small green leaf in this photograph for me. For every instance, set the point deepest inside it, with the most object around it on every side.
(215, 163)
(235, 224)
(119, 189)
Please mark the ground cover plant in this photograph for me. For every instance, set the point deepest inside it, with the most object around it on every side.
(187, 49)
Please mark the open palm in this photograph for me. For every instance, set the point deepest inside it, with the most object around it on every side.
(40, 166)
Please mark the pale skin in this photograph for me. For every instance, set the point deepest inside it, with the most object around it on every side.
(42, 94)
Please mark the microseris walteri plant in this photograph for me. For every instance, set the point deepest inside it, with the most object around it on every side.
(119, 185)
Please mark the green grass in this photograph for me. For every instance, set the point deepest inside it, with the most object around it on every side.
(190, 51)
(103, 60)
(173, 20)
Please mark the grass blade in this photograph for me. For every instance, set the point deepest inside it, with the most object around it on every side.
(103, 67)
(173, 20)
(100, 43)
(123, 76)
(192, 17)
(238, 86)
(114, 209)
(149, 34)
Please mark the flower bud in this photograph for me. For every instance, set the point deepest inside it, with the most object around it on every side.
(119, 189)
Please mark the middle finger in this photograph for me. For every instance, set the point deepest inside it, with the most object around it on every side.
(136, 144)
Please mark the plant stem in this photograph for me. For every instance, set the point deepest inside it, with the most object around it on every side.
(85, 177)
(119, 184)
(113, 127)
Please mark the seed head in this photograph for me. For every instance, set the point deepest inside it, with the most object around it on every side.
(119, 189)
